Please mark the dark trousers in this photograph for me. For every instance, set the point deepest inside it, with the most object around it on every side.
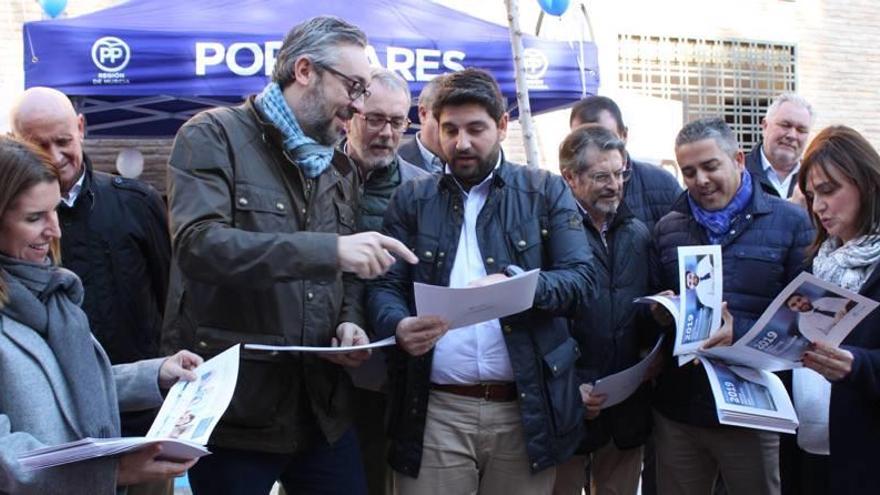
(370, 426)
(328, 469)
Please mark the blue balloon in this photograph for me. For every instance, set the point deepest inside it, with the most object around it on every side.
(53, 8)
(554, 7)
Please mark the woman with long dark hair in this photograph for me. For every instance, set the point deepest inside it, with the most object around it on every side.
(837, 395)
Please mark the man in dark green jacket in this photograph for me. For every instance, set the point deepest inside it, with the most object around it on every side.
(373, 141)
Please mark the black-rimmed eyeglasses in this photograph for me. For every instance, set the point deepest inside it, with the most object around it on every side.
(376, 122)
(356, 89)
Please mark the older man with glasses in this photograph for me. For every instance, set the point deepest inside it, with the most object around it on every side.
(263, 222)
(373, 141)
(609, 328)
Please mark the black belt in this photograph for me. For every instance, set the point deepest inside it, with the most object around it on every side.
(493, 392)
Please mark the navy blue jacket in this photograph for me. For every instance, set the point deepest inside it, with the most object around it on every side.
(650, 192)
(756, 167)
(530, 219)
(761, 254)
(854, 423)
(611, 329)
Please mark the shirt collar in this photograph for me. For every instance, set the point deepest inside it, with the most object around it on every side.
(427, 155)
(768, 167)
(70, 198)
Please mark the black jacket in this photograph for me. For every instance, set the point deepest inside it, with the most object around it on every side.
(854, 421)
(761, 254)
(611, 329)
(650, 192)
(115, 237)
(530, 219)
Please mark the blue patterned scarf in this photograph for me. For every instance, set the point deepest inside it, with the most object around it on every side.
(716, 223)
(312, 158)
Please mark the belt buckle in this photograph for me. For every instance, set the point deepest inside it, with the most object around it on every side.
(486, 393)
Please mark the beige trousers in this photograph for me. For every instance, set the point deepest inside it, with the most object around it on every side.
(474, 446)
(689, 459)
(612, 472)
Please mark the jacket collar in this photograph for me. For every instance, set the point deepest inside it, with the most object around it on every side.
(500, 173)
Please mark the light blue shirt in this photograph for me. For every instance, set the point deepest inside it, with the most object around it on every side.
(782, 187)
(434, 163)
(476, 353)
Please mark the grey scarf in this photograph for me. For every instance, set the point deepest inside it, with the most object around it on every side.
(47, 299)
(848, 265)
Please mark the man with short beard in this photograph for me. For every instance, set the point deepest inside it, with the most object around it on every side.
(775, 161)
(263, 223)
(491, 407)
(373, 139)
(609, 327)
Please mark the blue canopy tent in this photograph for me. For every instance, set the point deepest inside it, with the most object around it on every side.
(144, 67)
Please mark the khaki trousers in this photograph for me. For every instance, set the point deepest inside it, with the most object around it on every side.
(474, 446)
(612, 472)
(689, 459)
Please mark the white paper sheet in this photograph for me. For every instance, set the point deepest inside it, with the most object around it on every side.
(386, 342)
(470, 305)
(619, 386)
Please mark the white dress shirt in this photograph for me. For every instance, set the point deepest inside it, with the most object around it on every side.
(70, 198)
(782, 187)
(476, 353)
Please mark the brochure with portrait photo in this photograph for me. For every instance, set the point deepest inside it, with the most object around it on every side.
(183, 426)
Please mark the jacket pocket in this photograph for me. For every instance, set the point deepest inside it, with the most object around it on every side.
(426, 249)
(566, 407)
(262, 209)
(264, 378)
(346, 221)
(525, 243)
(756, 263)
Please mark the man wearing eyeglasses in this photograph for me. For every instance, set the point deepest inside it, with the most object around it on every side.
(610, 329)
(263, 222)
(372, 142)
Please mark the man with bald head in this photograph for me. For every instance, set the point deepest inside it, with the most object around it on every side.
(114, 230)
(114, 235)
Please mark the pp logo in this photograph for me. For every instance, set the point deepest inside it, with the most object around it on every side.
(110, 54)
(535, 63)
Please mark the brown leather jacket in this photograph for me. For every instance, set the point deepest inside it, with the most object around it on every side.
(255, 243)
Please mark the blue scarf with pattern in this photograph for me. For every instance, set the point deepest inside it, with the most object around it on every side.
(717, 222)
(312, 158)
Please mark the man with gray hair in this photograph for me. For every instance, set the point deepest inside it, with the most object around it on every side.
(263, 223)
(608, 327)
(423, 150)
(775, 162)
(373, 140)
(762, 241)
